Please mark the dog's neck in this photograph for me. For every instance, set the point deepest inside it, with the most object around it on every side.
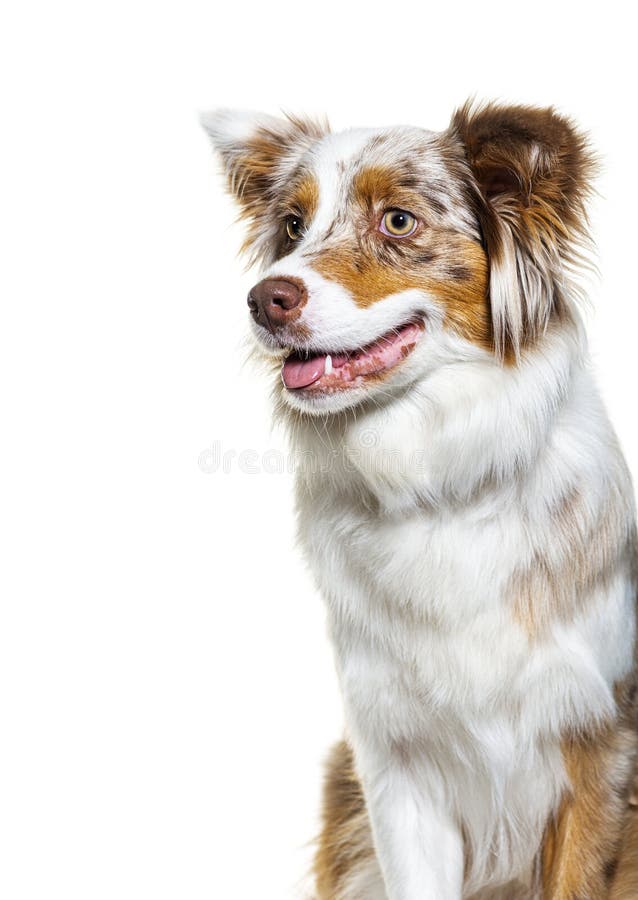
(481, 428)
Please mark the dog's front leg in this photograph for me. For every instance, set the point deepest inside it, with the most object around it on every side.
(419, 847)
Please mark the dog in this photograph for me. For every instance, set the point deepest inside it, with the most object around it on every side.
(461, 497)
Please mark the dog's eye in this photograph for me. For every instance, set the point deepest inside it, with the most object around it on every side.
(398, 223)
(294, 227)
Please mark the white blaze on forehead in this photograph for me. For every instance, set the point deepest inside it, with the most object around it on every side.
(331, 160)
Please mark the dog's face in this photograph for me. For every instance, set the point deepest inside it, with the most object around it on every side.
(392, 252)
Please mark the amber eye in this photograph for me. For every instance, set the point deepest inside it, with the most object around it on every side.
(294, 227)
(398, 223)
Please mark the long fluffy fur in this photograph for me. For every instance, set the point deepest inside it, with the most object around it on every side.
(534, 171)
(468, 515)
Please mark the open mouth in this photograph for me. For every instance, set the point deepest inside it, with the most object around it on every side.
(328, 371)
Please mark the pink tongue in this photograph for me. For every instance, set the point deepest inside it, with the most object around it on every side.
(299, 373)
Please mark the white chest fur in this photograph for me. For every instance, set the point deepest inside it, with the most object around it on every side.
(433, 666)
(439, 676)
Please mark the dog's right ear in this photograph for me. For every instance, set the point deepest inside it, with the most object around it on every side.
(259, 152)
(533, 169)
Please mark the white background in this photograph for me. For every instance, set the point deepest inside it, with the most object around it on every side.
(167, 692)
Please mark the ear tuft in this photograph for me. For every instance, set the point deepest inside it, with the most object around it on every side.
(533, 172)
(233, 127)
(259, 152)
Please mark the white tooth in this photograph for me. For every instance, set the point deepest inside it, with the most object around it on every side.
(327, 370)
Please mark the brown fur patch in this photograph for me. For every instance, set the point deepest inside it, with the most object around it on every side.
(582, 846)
(371, 275)
(378, 188)
(585, 551)
(534, 154)
(299, 198)
(345, 841)
(465, 298)
(253, 168)
(625, 882)
(446, 264)
(534, 170)
(374, 184)
(302, 198)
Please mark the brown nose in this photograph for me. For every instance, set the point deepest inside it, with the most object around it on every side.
(276, 301)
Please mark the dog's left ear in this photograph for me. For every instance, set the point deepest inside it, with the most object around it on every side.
(532, 171)
(259, 152)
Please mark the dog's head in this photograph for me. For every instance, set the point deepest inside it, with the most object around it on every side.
(391, 252)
